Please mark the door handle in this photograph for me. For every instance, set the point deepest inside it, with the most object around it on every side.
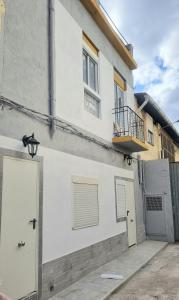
(132, 220)
(21, 244)
(33, 221)
(128, 212)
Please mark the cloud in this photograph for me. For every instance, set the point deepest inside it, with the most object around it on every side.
(152, 28)
(169, 50)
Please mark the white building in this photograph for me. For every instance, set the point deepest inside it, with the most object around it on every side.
(66, 75)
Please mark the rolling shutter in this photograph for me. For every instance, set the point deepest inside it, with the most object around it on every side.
(85, 205)
(120, 201)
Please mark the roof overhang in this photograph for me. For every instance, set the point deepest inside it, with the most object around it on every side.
(99, 17)
(158, 116)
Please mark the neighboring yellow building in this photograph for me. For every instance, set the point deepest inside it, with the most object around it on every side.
(177, 154)
(161, 136)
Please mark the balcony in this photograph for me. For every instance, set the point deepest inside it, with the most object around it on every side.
(128, 130)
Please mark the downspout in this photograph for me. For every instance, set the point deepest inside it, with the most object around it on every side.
(52, 67)
(143, 104)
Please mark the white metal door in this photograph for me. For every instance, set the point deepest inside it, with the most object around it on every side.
(19, 236)
(130, 209)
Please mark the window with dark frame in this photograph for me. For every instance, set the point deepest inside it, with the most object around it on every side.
(167, 147)
(150, 137)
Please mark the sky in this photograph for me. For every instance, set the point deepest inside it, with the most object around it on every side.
(152, 26)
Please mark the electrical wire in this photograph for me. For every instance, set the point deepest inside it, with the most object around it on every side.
(59, 123)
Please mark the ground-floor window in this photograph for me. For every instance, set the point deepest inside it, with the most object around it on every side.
(120, 191)
(85, 208)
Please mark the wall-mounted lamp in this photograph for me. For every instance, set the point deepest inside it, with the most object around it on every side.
(128, 158)
(32, 144)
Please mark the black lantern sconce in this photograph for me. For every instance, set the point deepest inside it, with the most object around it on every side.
(31, 143)
(128, 158)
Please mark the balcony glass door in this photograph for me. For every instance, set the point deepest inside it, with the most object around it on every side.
(119, 103)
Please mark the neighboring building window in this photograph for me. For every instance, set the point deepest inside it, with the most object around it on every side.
(168, 149)
(120, 201)
(150, 137)
(92, 103)
(85, 203)
(90, 71)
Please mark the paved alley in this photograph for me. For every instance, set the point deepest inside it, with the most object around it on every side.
(93, 287)
(159, 279)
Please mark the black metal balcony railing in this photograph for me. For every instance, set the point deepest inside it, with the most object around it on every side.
(128, 123)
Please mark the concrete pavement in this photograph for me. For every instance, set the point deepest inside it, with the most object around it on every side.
(159, 279)
(93, 287)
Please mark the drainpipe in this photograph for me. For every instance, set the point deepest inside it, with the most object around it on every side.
(52, 75)
(144, 103)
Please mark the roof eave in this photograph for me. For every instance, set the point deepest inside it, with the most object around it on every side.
(94, 9)
(170, 129)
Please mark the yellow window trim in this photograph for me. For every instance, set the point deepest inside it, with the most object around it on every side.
(90, 44)
(120, 81)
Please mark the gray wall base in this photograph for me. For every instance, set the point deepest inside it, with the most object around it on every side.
(62, 272)
(141, 235)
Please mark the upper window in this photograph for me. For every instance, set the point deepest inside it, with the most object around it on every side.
(92, 101)
(119, 96)
(90, 71)
(119, 89)
(150, 137)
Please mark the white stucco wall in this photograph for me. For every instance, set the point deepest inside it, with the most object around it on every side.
(58, 237)
(130, 100)
(69, 79)
(69, 76)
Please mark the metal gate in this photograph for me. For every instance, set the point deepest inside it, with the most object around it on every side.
(158, 203)
(174, 177)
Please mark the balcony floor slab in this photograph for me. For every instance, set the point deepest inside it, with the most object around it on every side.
(130, 143)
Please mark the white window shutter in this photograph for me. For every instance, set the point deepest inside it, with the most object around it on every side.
(120, 200)
(85, 205)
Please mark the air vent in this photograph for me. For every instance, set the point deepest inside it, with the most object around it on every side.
(154, 203)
